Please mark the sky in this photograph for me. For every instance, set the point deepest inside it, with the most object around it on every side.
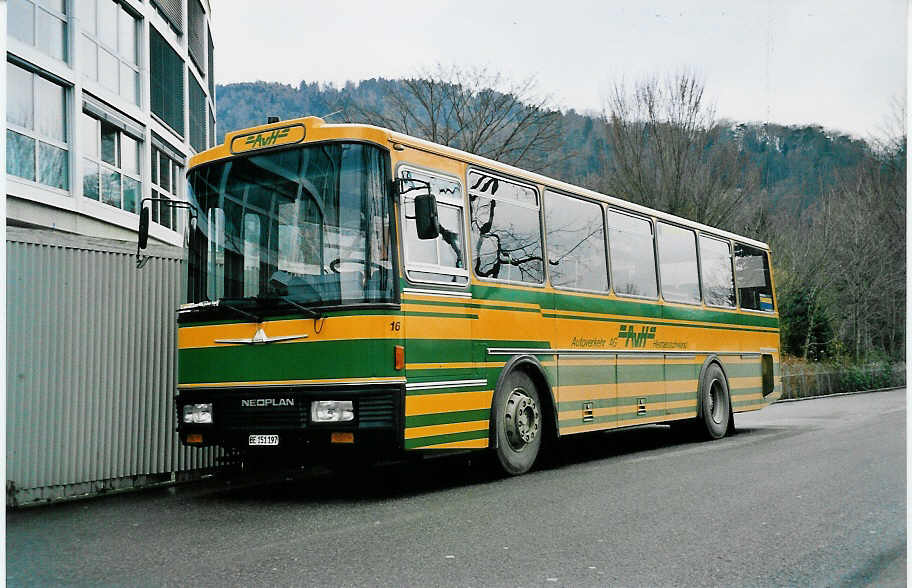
(841, 64)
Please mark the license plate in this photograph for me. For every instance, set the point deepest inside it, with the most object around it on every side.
(263, 440)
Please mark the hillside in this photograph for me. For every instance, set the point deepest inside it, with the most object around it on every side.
(797, 163)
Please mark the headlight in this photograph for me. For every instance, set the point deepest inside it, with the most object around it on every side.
(331, 411)
(198, 413)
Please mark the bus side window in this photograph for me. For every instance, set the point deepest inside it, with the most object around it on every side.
(716, 266)
(506, 230)
(440, 260)
(576, 243)
(678, 264)
(630, 243)
(752, 277)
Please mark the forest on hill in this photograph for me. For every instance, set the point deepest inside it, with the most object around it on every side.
(832, 206)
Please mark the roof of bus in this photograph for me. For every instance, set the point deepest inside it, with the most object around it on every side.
(315, 129)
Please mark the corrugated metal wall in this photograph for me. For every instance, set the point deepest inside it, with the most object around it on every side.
(91, 367)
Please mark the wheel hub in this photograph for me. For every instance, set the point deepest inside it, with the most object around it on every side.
(522, 419)
(715, 401)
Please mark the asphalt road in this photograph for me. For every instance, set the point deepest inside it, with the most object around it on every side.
(805, 493)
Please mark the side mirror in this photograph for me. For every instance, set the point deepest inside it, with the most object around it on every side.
(426, 216)
(143, 228)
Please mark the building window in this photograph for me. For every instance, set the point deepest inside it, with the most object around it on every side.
(110, 46)
(197, 116)
(110, 164)
(211, 71)
(37, 146)
(167, 82)
(212, 137)
(42, 25)
(172, 12)
(167, 177)
(196, 33)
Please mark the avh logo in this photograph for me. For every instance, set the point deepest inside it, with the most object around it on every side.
(634, 337)
(266, 139)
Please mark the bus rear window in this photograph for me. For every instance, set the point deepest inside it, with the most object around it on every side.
(752, 276)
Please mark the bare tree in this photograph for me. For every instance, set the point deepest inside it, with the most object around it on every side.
(669, 152)
(473, 110)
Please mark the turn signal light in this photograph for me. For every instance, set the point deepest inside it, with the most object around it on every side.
(399, 357)
(342, 438)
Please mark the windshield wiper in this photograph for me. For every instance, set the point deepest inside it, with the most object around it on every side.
(314, 314)
(222, 303)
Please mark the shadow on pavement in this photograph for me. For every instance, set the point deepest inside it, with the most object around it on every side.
(398, 480)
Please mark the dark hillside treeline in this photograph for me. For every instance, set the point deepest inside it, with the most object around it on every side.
(831, 206)
(797, 164)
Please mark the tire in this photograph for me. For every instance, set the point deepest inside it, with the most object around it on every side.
(715, 403)
(518, 424)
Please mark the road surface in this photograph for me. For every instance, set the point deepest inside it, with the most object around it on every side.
(805, 493)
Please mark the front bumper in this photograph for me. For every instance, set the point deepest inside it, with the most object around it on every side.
(238, 413)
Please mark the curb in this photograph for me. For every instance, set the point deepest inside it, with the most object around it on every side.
(839, 394)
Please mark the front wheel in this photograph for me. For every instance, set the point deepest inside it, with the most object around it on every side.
(715, 403)
(517, 414)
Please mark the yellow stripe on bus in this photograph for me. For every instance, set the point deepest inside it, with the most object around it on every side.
(451, 365)
(448, 402)
(745, 382)
(470, 444)
(445, 429)
(341, 328)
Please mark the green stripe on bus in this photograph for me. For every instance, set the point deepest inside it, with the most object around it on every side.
(636, 309)
(288, 361)
(658, 415)
(677, 371)
(726, 327)
(439, 314)
(742, 370)
(447, 390)
(450, 438)
(458, 350)
(626, 401)
(745, 391)
(471, 305)
(444, 418)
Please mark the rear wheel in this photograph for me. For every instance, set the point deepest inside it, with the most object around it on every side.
(517, 414)
(715, 403)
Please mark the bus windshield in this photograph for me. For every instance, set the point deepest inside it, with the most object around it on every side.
(306, 226)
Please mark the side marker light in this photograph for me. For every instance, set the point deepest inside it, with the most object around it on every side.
(399, 357)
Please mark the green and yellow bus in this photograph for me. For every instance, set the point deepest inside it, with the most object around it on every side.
(353, 291)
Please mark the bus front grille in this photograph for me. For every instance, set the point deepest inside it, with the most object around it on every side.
(289, 409)
(233, 417)
(376, 411)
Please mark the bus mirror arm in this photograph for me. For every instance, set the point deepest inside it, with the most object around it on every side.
(143, 239)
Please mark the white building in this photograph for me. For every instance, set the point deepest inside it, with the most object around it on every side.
(105, 102)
